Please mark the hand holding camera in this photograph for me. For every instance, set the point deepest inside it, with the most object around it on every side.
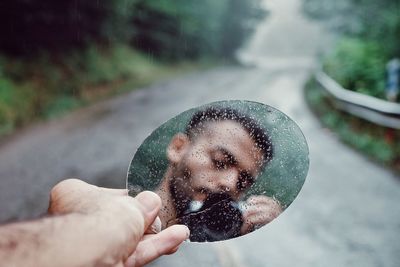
(258, 211)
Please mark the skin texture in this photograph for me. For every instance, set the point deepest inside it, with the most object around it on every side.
(215, 161)
(91, 226)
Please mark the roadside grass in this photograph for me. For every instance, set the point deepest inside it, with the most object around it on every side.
(378, 143)
(358, 65)
(47, 87)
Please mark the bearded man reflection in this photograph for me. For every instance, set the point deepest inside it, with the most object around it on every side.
(211, 166)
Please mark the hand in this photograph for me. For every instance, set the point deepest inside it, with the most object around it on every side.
(122, 224)
(258, 211)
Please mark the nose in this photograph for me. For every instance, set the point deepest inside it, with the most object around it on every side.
(227, 180)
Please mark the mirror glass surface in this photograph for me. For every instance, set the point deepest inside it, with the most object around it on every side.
(223, 169)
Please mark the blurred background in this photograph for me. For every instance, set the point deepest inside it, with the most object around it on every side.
(83, 83)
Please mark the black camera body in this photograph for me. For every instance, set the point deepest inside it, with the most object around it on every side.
(219, 218)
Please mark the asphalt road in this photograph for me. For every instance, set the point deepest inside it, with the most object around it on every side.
(347, 214)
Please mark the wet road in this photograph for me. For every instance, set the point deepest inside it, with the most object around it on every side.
(347, 214)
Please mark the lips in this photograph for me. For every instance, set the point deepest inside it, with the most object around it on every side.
(203, 190)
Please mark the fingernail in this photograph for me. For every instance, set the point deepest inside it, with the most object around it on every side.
(155, 227)
(187, 232)
(149, 200)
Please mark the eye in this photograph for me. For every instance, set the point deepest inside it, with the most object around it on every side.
(220, 160)
(219, 164)
(245, 180)
(223, 159)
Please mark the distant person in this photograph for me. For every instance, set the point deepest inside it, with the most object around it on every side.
(211, 166)
(91, 226)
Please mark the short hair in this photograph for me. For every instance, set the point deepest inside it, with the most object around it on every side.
(213, 114)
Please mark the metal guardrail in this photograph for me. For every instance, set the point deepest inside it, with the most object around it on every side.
(372, 109)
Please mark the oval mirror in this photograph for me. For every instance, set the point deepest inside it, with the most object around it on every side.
(223, 169)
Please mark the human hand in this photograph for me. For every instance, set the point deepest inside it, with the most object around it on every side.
(258, 211)
(122, 227)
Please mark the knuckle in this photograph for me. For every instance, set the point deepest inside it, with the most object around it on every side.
(64, 186)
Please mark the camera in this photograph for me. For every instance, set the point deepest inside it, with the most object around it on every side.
(218, 218)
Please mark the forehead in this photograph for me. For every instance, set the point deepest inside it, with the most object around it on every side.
(231, 136)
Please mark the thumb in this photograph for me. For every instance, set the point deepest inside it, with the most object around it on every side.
(149, 203)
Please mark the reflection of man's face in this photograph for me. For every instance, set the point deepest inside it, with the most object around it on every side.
(221, 158)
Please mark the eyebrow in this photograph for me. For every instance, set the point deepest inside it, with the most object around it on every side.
(229, 155)
(232, 160)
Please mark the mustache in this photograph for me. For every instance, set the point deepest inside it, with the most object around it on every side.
(203, 190)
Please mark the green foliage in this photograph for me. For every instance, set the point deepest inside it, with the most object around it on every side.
(16, 105)
(61, 54)
(172, 29)
(366, 137)
(372, 146)
(60, 105)
(37, 25)
(238, 22)
(191, 29)
(7, 99)
(358, 66)
(45, 87)
(182, 30)
(371, 31)
(370, 20)
(100, 68)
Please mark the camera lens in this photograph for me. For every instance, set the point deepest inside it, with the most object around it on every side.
(218, 219)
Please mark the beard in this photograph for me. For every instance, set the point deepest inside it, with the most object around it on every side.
(217, 219)
(180, 188)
